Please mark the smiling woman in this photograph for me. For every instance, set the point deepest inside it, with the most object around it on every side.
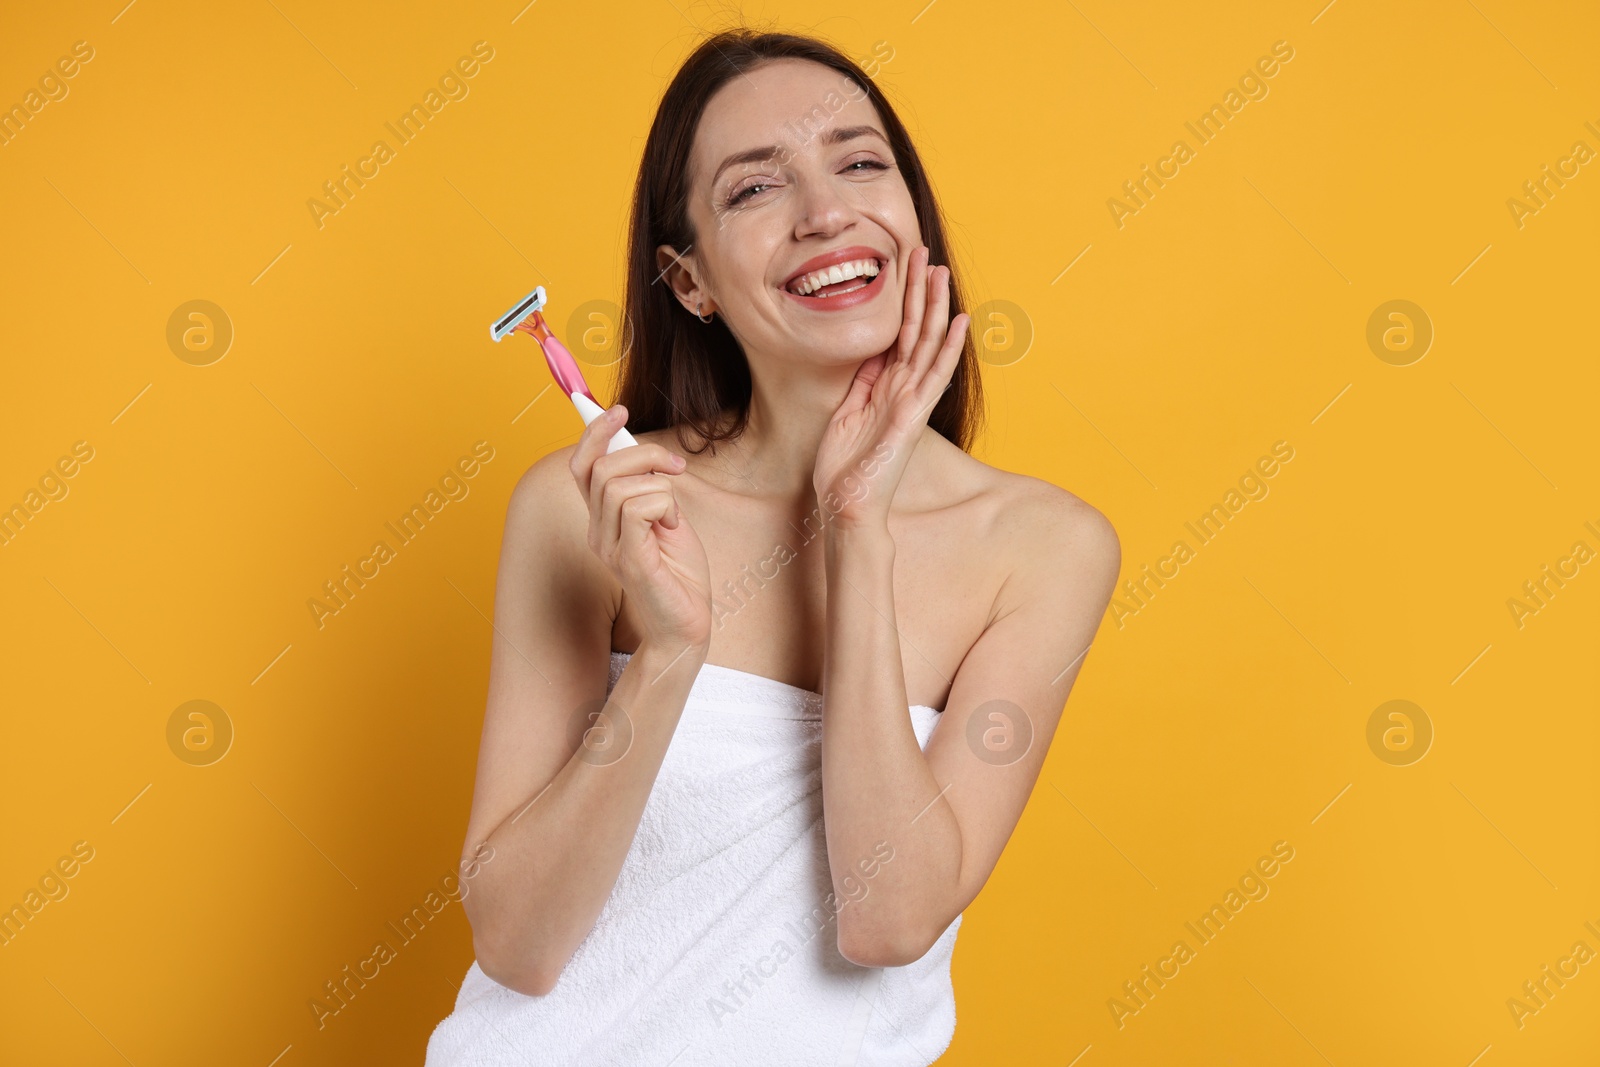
(689, 805)
(683, 373)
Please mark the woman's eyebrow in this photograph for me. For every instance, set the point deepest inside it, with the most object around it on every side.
(833, 136)
(840, 134)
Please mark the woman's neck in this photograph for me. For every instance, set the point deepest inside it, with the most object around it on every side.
(776, 453)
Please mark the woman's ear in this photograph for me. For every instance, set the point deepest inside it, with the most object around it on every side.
(677, 270)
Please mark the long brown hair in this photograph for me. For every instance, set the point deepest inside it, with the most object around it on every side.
(679, 371)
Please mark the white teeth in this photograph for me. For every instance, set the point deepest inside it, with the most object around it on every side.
(810, 283)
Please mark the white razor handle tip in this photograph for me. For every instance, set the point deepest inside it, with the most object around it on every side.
(588, 410)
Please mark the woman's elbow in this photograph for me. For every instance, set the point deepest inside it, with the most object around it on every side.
(875, 949)
(519, 976)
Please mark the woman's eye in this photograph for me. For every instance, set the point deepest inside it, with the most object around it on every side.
(750, 190)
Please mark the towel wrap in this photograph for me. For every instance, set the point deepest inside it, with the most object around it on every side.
(718, 944)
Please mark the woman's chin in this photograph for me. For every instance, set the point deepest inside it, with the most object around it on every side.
(846, 342)
(848, 351)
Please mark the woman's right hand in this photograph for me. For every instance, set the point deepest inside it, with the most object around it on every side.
(639, 533)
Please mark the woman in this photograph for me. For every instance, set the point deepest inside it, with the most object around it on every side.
(735, 845)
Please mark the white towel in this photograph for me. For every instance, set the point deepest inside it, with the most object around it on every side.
(718, 944)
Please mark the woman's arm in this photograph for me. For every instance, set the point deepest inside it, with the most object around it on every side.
(948, 811)
(559, 813)
(943, 814)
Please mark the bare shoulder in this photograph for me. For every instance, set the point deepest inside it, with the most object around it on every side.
(547, 518)
(1046, 537)
(1055, 519)
(546, 492)
(1030, 513)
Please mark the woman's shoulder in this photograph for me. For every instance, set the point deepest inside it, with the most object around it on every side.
(1038, 541)
(545, 545)
(544, 475)
(1026, 510)
(547, 510)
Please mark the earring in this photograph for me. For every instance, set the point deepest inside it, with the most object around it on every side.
(702, 318)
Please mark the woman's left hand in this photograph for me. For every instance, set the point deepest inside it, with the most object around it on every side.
(870, 438)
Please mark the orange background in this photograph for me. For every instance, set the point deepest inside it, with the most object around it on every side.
(1228, 313)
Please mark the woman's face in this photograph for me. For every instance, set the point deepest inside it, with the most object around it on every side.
(820, 179)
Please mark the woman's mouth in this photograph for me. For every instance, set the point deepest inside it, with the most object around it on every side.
(828, 295)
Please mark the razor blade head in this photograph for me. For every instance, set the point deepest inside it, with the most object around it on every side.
(523, 310)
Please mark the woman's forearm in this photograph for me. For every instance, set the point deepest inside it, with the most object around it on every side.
(877, 787)
(557, 858)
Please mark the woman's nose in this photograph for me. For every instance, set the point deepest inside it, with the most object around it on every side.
(825, 205)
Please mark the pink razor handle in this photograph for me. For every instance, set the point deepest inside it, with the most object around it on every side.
(565, 371)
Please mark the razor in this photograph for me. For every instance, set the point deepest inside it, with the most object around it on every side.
(524, 317)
